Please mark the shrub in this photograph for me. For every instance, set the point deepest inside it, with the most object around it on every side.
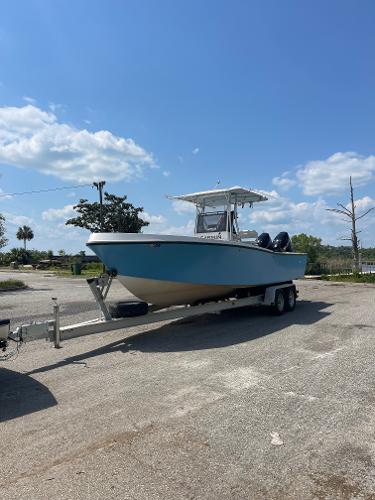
(9, 284)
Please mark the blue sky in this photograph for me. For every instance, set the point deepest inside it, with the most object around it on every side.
(167, 97)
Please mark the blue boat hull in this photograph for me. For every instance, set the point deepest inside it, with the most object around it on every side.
(206, 268)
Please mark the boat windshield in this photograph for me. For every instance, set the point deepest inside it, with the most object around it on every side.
(212, 222)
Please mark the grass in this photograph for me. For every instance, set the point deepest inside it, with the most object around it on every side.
(350, 278)
(11, 284)
(88, 271)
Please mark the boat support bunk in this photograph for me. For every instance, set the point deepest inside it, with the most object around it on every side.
(279, 297)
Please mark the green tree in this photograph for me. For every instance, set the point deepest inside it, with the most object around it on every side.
(307, 244)
(25, 233)
(3, 240)
(118, 215)
(19, 255)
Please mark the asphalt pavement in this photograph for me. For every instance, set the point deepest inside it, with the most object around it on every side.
(239, 405)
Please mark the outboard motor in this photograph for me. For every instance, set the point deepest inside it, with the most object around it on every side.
(282, 243)
(264, 241)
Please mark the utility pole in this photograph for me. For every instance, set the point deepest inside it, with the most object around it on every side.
(99, 186)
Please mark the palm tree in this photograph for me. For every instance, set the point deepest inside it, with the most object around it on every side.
(25, 233)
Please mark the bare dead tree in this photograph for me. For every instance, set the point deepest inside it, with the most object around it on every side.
(353, 218)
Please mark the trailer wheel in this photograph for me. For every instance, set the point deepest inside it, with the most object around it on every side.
(128, 309)
(278, 307)
(290, 298)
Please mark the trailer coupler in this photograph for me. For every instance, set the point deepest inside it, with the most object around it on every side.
(6, 336)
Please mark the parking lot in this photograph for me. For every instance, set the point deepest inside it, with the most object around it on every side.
(239, 405)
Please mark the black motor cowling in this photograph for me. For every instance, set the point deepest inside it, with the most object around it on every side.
(282, 243)
(264, 241)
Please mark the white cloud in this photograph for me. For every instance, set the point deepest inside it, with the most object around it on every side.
(283, 214)
(29, 100)
(4, 196)
(184, 230)
(362, 204)
(332, 175)
(59, 213)
(160, 225)
(153, 219)
(166, 173)
(195, 151)
(53, 106)
(17, 220)
(24, 122)
(361, 207)
(34, 139)
(49, 233)
(283, 183)
(183, 207)
(55, 234)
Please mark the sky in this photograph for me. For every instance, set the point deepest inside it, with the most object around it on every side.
(164, 97)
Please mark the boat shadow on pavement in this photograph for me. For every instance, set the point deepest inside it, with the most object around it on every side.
(209, 331)
(20, 395)
(230, 327)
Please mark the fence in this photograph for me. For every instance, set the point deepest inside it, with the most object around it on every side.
(343, 266)
(367, 267)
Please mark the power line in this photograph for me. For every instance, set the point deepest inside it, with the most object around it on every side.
(37, 191)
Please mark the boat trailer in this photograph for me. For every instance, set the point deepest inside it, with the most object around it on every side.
(280, 297)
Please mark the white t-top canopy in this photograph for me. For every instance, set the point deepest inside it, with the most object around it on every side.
(218, 197)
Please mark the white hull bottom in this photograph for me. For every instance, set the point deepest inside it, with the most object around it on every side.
(167, 293)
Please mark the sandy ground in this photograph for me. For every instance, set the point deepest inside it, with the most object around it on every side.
(240, 405)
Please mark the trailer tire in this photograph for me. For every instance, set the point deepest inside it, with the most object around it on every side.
(128, 309)
(278, 307)
(290, 298)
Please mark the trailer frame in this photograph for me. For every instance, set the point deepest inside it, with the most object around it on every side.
(52, 331)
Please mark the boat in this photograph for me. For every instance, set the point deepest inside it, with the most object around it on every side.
(218, 261)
